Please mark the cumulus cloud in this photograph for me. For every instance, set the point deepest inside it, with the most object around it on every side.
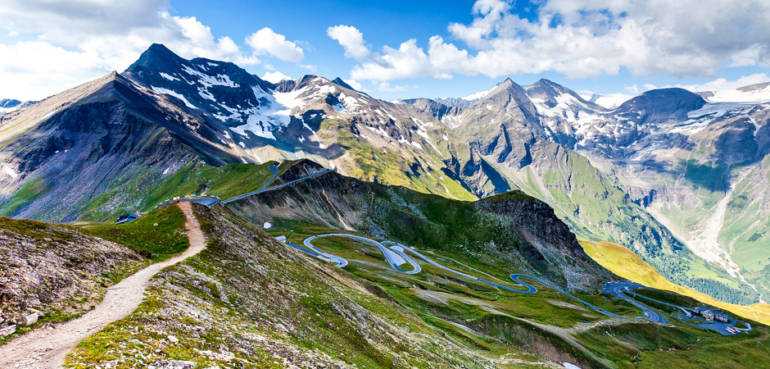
(51, 46)
(275, 76)
(721, 84)
(609, 101)
(408, 60)
(267, 41)
(351, 39)
(719, 89)
(588, 38)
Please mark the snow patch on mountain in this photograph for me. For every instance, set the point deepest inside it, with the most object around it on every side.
(756, 93)
(179, 96)
(479, 94)
(168, 77)
(208, 80)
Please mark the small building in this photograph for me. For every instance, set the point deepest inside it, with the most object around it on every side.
(712, 314)
(125, 218)
(721, 316)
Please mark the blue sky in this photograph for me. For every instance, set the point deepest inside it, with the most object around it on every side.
(382, 23)
(391, 22)
(407, 48)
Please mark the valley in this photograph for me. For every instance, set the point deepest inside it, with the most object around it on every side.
(455, 300)
(188, 213)
(611, 174)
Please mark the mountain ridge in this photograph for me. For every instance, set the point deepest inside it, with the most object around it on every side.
(600, 169)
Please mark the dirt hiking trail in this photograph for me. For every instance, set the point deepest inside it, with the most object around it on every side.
(45, 348)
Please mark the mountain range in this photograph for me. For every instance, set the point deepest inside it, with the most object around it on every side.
(677, 177)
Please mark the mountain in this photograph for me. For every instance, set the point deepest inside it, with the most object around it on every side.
(254, 297)
(660, 105)
(651, 174)
(527, 232)
(61, 153)
(7, 105)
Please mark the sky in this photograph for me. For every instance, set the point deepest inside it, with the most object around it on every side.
(398, 49)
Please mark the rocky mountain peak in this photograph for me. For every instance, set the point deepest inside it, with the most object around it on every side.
(661, 105)
(508, 95)
(157, 57)
(309, 79)
(549, 93)
(219, 90)
(339, 82)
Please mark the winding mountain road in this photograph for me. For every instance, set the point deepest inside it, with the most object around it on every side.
(275, 173)
(46, 348)
(395, 255)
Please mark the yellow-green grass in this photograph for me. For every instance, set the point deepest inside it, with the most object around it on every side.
(624, 263)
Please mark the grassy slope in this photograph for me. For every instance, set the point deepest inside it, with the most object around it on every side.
(141, 192)
(27, 193)
(246, 296)
(76, 270)
(247, 302)
(746, 229)
(223, 182)
(626, 264)
(156, 235)
(597, 209)
(495, 317)
(383, 165)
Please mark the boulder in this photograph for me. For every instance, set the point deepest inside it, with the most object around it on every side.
(172, 364)
(28, 319)
(8, 330)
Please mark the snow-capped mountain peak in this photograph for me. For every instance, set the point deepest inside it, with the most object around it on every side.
(552, 94)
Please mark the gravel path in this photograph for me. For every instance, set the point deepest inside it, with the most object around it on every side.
(46, 348)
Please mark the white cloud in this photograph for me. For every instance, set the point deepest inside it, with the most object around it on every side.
(725, 90)
(275, 76)
(351, 39)
(488, 13)
(267, 41)
(721, 84)
(409, 60)
(588, 38)
(721, 89)
(386, 86)
(355, 84)
(609, 101)
(57, 45)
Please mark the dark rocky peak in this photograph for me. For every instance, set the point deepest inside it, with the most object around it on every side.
(310, 79)
(157, 57)
(660, 105)
(437, 108)
(339, 82)
(220, 90)
(285, 86)
(115, 92)
(234, 72)
(547, 86)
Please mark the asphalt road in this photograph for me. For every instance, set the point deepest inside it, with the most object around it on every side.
(398, 256)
